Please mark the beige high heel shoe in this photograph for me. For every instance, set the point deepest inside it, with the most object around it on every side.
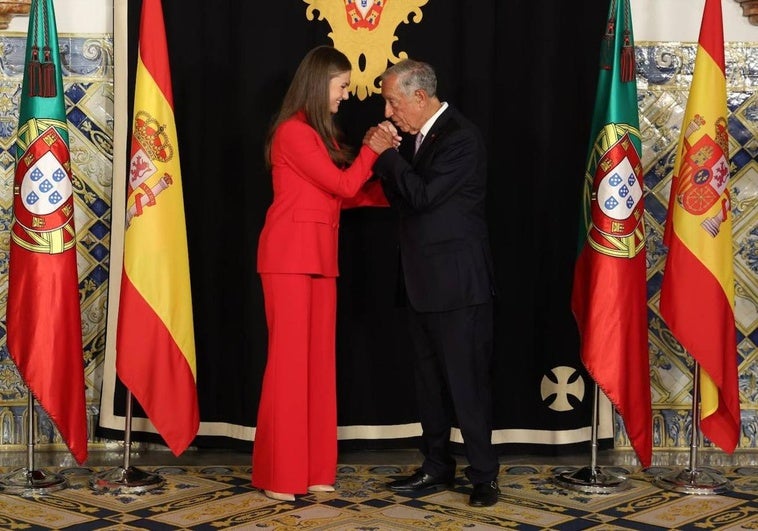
(281, 496)
(321, 488)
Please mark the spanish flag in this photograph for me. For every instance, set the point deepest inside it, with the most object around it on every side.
(609, 295)
(697, 294)
(43, 313)
(155, 342)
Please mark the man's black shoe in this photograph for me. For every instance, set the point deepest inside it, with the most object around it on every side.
(484, 494)
(420, 481)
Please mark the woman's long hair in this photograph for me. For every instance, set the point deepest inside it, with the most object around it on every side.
(309, 92)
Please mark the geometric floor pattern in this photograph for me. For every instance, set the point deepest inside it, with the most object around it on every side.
(221, 497)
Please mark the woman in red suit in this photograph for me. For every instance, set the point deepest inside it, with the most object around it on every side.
(295, 449)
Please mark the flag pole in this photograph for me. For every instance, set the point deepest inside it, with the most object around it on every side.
(692, 480)
(593, 479)
(126, 478)
(27, 481)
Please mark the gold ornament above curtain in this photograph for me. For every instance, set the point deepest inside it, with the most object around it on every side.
(364, 30)
(8, 10)
(749, 10)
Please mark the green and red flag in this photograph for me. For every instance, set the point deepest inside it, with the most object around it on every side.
(43, 312)
(609, 296)
(155, 342)
(697, 294)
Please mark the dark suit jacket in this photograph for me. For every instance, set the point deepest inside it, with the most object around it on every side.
(440, 195)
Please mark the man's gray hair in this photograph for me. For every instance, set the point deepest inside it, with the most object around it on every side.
(413, 75)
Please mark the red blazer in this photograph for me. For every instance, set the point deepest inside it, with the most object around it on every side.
(300, 232)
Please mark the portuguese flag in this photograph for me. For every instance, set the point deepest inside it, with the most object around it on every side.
(43, 317)
(609, 296)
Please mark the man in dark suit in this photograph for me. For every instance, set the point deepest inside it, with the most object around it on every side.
(447, 275)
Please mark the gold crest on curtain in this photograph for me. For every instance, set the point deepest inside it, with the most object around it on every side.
(364, 30)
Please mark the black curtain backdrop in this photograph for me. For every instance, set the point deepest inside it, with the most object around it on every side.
(524, 71)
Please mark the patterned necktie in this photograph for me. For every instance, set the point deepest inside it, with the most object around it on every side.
(419, 139)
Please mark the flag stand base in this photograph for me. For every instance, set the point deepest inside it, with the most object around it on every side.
(27, 483)
(592, 480)
(693, 481)
(127, 480)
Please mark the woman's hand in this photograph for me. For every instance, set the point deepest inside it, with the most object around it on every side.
(381, 137)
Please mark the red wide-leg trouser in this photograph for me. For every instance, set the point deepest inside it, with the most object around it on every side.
(296, 432)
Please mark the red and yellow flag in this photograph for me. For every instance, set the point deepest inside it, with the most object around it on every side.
(697, 294)
(609, 296)
(155, 342)
(43, 313)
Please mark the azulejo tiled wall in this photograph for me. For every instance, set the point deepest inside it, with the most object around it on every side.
(664, 77)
